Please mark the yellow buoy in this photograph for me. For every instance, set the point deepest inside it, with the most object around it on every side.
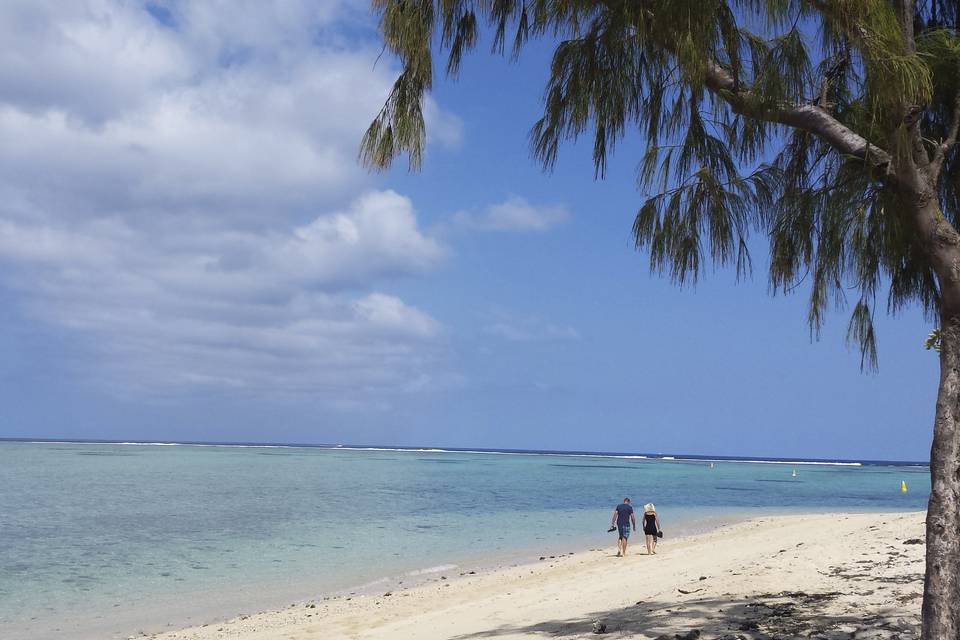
(903, 486)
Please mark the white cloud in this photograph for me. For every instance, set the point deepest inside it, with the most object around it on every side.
(529, 329)
(179, 193)
(236, 309)
(442, 126)
(514, 214)
(246, 138)
(392, 316)
(378, 234)
(97, 59)
(254, 106)
(93, 59)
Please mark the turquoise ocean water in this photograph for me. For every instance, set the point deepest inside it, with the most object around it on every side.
(105, 540)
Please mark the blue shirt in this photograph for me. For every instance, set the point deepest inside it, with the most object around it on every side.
(624, 511)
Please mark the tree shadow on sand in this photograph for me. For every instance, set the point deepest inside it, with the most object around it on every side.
(765, 616)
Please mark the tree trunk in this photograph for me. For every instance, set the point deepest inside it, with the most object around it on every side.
(941, 589)
(941, 586)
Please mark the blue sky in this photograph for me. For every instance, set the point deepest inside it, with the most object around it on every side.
(188, 250)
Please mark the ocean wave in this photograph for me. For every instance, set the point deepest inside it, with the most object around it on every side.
(142, 444)
(436, 569)
(793, 462)
(374, 583)
(559, 454)
(605, 456)
(396, 449)
(172, 444)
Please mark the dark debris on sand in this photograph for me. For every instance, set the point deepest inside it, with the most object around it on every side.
(781, 616)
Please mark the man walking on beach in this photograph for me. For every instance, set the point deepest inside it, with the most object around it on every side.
(623, 516)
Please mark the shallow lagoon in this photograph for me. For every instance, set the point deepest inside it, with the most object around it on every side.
(112, 536)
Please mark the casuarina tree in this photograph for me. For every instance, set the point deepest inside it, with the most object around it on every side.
(828, 126)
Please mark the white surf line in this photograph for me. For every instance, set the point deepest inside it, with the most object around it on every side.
(470, 451)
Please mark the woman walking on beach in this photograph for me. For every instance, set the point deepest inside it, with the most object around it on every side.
(651, 527)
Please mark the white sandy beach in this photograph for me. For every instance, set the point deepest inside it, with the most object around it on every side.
(826, 576)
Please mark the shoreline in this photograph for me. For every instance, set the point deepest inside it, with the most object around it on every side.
(495, 602)
(167, 612)
(206, 607)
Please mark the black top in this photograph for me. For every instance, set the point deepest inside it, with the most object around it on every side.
(650, 524)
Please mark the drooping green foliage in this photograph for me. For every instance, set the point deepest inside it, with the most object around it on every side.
(941, 50)
(785, 118)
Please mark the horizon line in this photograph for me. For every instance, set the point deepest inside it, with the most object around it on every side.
(678, 457)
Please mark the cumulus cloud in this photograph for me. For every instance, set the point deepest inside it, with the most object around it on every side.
(269, 311)
(378, 234)
(179, 192)
(514, 214)
(179, 122)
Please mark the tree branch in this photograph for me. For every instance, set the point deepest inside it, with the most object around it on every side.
(906, 12)
(806, 117)
(944, 147)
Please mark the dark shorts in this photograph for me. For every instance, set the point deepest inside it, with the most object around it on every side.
(624, 531)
